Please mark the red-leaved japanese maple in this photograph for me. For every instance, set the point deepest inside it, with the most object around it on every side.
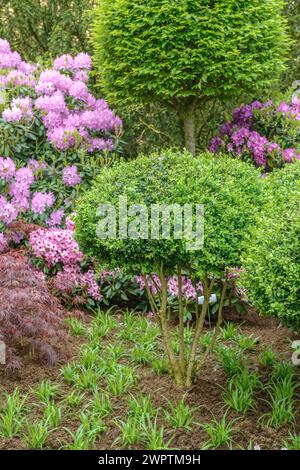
(30, 316)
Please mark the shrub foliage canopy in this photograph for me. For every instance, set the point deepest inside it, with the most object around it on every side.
(173, 178)
(272, 260)
(228, 189)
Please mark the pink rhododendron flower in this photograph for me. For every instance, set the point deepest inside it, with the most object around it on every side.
(8, 212)
(55, 246)
(71, 176)
(40, 201)
(7, 168)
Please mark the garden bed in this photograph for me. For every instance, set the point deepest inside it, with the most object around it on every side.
(205, 398)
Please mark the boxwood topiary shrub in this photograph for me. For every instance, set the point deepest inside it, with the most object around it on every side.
(229, 190)
(272, 258)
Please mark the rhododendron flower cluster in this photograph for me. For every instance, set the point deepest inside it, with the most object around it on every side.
(40, 201)
(55, 246)
(72, 116)
(18, 72)
(189, 291)
(248, 135)
(58, 247)
(71, 176)
(18, 199)
(20, 109)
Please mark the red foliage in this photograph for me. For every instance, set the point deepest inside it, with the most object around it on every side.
(23, 228)
(30, 316)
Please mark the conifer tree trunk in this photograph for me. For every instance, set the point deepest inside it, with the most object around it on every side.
(188, 119)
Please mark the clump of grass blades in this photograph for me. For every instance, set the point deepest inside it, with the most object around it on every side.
(240, 391)
(141, 406)
(268, 357)
(130, 431)
(46, 391)
(160, 365)
(77, 328)
(293, 443)
(11, 417)
(220, 433)
(121, 380)
(281, 390)
(231, 359)
(154, 435)
(180, 415)
(36, 434)
(229, 332)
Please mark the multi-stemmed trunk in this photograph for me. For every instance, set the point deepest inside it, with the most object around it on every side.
(184, 367)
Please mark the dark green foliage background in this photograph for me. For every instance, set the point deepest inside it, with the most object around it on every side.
(46, 28)
(272, 259)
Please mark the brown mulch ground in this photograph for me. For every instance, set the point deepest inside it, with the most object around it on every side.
(206, 394)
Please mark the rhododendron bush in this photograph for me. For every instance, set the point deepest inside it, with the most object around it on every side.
(51, 114)
(267, 134)
(53, 132)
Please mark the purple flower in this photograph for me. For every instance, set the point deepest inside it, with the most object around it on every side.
(16, 77)
(79, 90)
(7, 168)
(215, 144)
(55, 102)
(4, 47)
(239, 137)
(83, 61)
(243, 115)
(70, 176)
(8, 212)
(226, 129)
(26, 68)
(273, 147)
(283, 108)
(12, 115)
(289, 154)
(63, 137)
(56, 218)
(100, 144)
(21, 108)
(24, 176)
(81, 75)
(40, 201)
(64, 62)
(36, 164)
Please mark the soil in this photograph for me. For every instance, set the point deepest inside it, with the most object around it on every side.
(205, 395)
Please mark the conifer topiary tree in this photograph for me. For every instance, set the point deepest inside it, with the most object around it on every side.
(184, 53)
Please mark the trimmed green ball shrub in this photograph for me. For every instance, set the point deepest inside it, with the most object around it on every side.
(272, 259)
(184, 52)
(230, 192)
